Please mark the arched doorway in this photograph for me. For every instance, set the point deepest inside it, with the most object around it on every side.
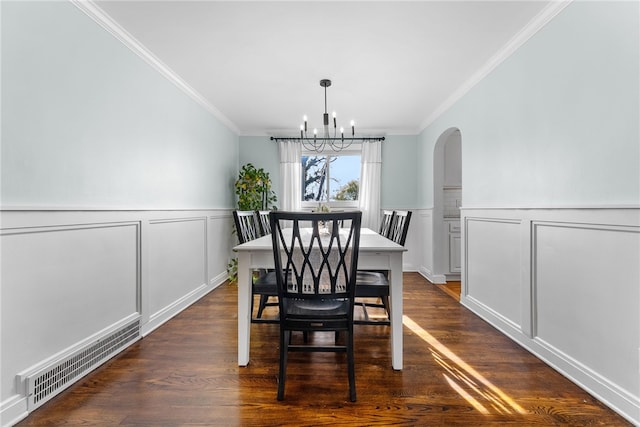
(447, 200)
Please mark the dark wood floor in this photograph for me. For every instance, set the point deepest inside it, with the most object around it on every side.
(458, 370)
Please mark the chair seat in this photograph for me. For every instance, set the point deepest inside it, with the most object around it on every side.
(317, 309)
(266, 284)
(371, 284)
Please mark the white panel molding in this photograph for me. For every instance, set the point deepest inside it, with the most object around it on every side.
(178, 219)
(64, 227)
(465, 221)
(623, 221)
(535, 25)
(165, 313)
(533, 233)
(105, 21)
(216, 225)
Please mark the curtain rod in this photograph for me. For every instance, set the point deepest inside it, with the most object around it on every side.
(284, 138)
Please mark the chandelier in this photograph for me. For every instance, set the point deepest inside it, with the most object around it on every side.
(336, 141)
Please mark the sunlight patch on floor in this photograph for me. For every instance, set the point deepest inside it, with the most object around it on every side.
(464, 379)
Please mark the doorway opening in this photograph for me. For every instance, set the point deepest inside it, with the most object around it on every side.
(447, 201)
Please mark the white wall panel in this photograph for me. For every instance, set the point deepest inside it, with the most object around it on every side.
(221, 242)
(177, 260)
(579, 299)
(580, 314)
(68, 276)
(493, 278)
(61, 285)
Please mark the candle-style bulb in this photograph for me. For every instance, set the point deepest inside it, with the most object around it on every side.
(353, 128)
(334, 120)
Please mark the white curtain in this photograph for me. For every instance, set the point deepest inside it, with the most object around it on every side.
(290, 175)
(370, 184)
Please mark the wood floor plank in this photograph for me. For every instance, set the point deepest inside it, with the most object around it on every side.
(458, 370)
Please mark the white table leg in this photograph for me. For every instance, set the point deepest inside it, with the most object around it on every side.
(244, 308)
(395, 284)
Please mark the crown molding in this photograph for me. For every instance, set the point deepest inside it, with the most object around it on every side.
(106, 22)
(535, 25)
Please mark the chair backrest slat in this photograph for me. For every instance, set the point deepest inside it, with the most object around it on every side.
(400, 226)
(246, 225)
(316, 262)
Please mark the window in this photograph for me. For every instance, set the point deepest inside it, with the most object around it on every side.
(332, 178)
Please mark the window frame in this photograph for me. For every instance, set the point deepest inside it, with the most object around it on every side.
(354, 150)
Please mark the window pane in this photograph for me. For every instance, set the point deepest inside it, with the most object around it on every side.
(314, 178)
(345, 178)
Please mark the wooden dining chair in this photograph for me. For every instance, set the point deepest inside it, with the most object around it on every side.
(264, 285)
(375, 284)
(316, 271)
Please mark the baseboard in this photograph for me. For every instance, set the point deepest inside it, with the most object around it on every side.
(218, 280)
(161, 317)
(13, 410)
(436, 279)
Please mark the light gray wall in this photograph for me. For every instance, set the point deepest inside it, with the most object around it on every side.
(86, 123)
(399, 181)
(556, 124)
(262, 153)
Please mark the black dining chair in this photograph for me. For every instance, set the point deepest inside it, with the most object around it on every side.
(264, 285)
(375, 284)
(263, 222)
(315, 270)
(385, 223)
(399, 226)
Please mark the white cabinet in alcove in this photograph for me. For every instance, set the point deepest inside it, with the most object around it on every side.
(453, 245)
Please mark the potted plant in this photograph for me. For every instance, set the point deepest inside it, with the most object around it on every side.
(253, 188)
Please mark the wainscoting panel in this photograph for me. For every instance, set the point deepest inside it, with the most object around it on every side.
(60, 285)
(493, 279)
(177, 264)
(72, 279)
(587, 290)
(571, 279)
(221, 242)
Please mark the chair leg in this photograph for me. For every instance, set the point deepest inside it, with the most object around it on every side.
(387, 306)
(285, 337)
(262, 305)
(351, 366)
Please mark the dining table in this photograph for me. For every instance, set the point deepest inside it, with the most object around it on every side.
(376, 252)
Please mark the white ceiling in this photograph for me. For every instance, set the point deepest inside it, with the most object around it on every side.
(394, 65)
